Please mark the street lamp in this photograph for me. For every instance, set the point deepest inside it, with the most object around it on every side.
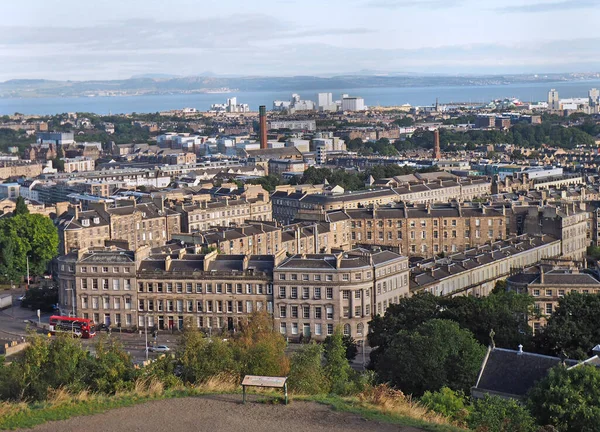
(72, 301)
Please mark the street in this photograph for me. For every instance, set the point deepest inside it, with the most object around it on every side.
(15, 322)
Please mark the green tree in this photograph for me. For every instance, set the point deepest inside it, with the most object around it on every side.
(568, 399)
(307, 375)
(25, 235)
(572, 329)
(436, 354)
(494, 414)
(202, 358)
(350, 344)
(260, 349)
(20, 207)
(110, 370)
(337, 368)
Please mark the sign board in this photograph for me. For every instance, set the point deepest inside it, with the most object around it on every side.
(264, 381)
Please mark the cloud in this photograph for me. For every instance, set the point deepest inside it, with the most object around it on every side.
(302, 58)
(565, 5)
(402, 4)
(233, 31)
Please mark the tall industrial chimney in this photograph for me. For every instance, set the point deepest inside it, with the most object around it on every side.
(437, 152)
(262, 115)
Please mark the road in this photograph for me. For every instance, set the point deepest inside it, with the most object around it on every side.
(14, 324)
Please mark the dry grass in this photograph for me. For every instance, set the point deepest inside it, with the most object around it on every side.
(148, 388)
(221, 383)
(8, 408)
(394, 402)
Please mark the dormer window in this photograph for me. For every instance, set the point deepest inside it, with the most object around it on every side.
(96, 220)
(85, 222)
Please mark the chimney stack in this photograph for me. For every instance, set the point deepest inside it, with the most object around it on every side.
(262, 116)
(437, 153)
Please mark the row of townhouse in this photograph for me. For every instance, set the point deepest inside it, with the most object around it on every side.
(174, 285)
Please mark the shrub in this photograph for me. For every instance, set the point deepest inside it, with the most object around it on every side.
(449, 403)
(494, 414)
(307, 375)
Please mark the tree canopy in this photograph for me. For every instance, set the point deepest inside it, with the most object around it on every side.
(573, 327)
(436, 354)
(26, 235)
(568, 399)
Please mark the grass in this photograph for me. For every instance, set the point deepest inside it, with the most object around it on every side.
(378, 404)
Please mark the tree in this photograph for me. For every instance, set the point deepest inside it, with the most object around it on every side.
(504, 312)
(260, 349)
(307, 375)
(20, 207)
(337, 368)
(350, 344)
(436, 354)
(494, 414)
(568, 399)
(202, 358)
(26, 235)
(572, 329)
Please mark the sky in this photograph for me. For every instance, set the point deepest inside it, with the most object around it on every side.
(116, 39)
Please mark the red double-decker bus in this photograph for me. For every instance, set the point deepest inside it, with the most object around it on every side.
(78, 327)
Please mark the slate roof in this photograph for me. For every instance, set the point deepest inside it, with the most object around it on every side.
(511, 373)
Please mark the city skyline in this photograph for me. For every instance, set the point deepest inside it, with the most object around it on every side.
(116, 40)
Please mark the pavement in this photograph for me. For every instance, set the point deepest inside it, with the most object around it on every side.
(223, 413)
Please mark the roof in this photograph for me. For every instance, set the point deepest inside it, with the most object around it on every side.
(513, 373)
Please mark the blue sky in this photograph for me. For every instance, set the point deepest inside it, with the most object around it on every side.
(109, 39)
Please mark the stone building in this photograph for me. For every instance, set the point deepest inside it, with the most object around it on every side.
(548, 286)
(135, 225)
(426, 229)
(315, 293)
(476, 271)
(213, 292)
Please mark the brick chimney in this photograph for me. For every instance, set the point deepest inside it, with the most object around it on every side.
(262, 117)
(437, 152)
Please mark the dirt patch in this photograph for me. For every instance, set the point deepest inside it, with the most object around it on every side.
(222, 413)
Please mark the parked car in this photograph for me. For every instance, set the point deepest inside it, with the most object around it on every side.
(159, 348)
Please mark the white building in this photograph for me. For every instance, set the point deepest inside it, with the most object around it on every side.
(79, 164)
(325, 102)
(351, 103)
(553, 101)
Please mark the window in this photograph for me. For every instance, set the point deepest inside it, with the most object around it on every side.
(179, 287)
(282, 328)
(548, 293)
(84, 284)
(281, 292)
(306, 312)
(282, 276)
(536, 292)
(240, 306)
(198, 287)
(329, 311)
(329, 329)
(305, 277)
(357, 311)
(357, 294)
(294, 311)
(561, 293)
(294, 328)
(305, 293)
(209, 306)
(347, 330)
(346, 277)
(116, 284)
(294, 293)
(199, 305)
(104, 269)
(249, 307)
(317, 278)
(282, 312)
(317, 292)
(294, 276)
(169, 287)
(105, 284)
(208, 288)
(359, 328)
(318, 329)
(548, 308)
(188, 287)
(318, 313)
(329, 278)
(329, 293)
(345, 294)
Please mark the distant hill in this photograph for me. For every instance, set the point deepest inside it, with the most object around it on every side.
(168, 84)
